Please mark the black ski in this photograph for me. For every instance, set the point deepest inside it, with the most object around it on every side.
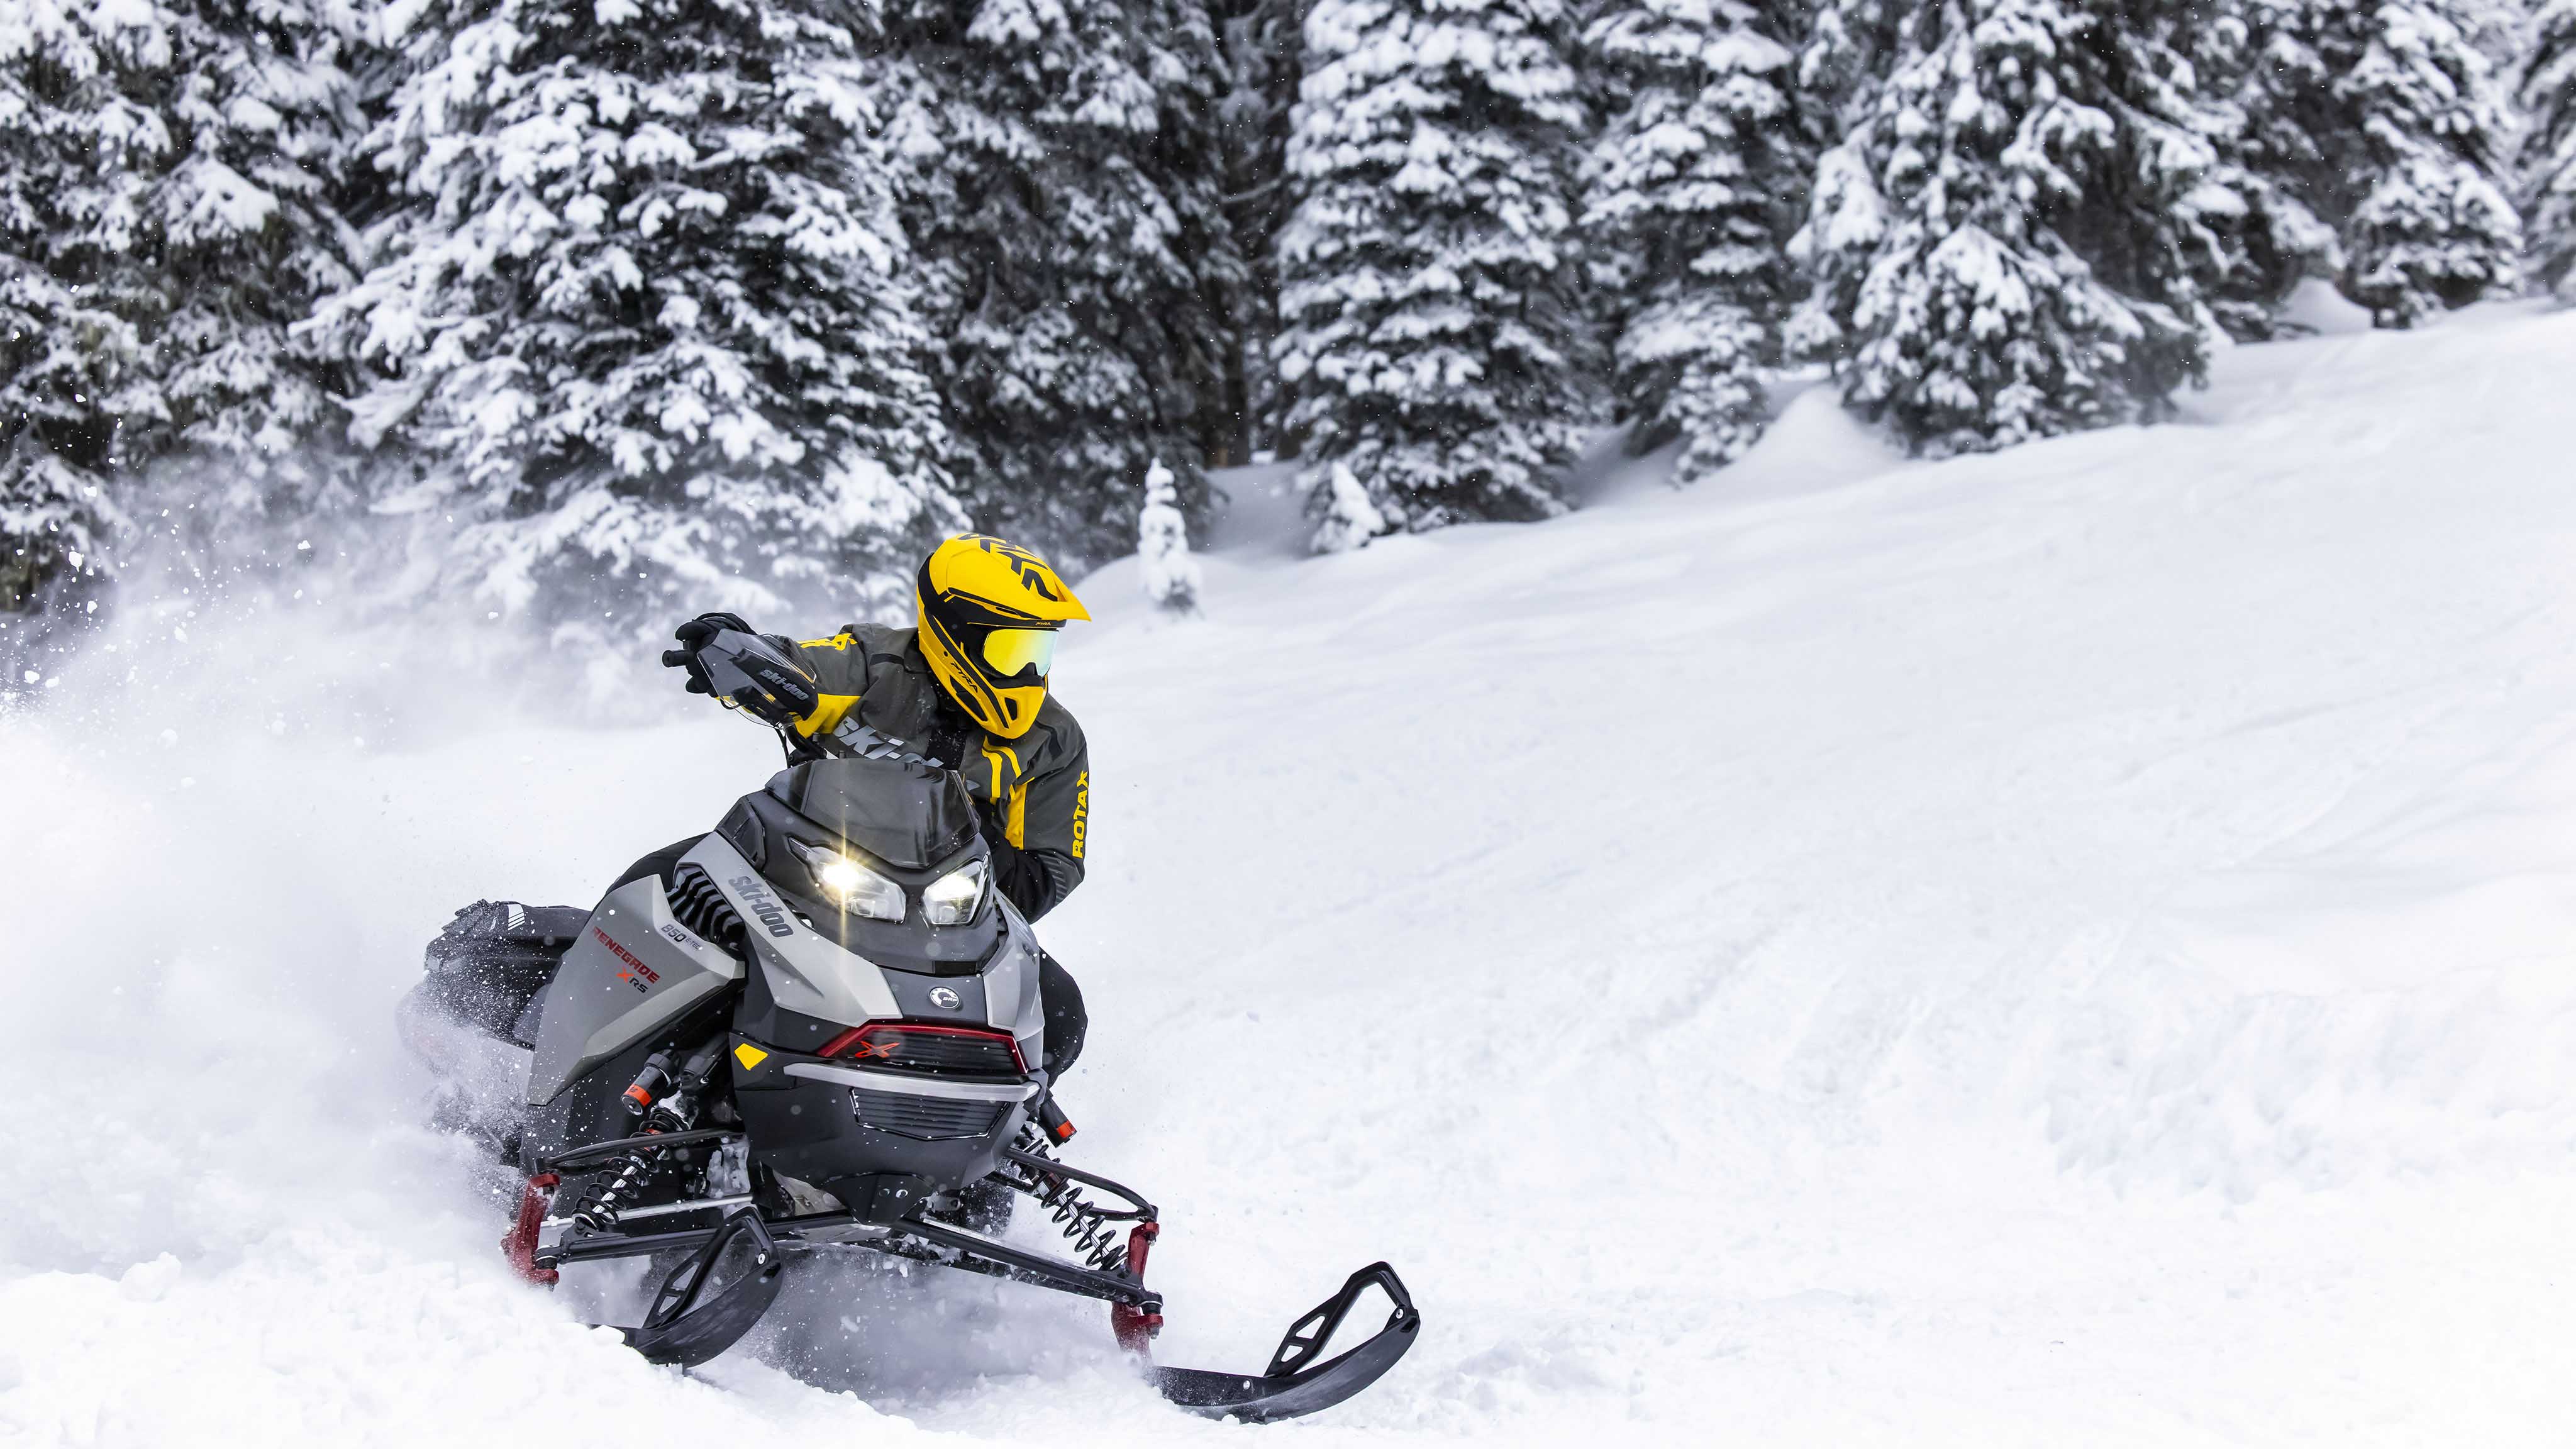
(1291, 1386)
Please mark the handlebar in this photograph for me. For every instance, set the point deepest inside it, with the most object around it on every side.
(751, 673)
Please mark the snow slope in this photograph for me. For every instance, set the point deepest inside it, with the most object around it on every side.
(2064, 947)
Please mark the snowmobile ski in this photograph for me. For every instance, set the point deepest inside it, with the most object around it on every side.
(1291, 1387)
(696, 1315)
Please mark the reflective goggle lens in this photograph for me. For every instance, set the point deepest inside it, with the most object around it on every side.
(1008, 651)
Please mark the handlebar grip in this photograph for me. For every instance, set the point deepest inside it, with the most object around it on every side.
(675, 658)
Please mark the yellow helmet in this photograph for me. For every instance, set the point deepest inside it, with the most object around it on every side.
(988, 613)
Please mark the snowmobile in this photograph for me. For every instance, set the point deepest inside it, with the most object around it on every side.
(820, 1034)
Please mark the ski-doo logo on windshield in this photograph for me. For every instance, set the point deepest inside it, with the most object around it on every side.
(764, 905)
(944, 999)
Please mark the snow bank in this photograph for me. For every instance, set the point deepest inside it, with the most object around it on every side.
(2064, 946)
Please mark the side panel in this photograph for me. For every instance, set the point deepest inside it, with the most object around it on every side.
(807, 973)
(1011, 988)
(632, 971)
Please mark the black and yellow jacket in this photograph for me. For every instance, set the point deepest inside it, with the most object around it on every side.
(1034, 792)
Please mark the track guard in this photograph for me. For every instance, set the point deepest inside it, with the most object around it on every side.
(688, 1325)
(1290, 1386)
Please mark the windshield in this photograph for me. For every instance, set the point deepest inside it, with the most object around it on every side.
(903, 813)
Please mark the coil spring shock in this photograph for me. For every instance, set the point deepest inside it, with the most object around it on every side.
(1082, 1224)
(665, 1095)
(604, 1196)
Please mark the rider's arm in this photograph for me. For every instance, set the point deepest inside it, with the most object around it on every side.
(841, 664)
(1038, 860)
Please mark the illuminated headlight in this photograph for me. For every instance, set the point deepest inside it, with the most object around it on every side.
(951, 900)
(853, 887)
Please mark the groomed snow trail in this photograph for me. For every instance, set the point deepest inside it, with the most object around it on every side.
(2064, 947)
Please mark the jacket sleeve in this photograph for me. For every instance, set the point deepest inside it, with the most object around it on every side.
(1037, 859)
(840, 666)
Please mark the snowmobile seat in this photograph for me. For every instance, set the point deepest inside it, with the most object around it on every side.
(493, 959)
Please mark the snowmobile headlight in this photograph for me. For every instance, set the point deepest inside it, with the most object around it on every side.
(846, 883)
(953, 899)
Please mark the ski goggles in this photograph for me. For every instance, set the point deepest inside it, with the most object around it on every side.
(1009, 651)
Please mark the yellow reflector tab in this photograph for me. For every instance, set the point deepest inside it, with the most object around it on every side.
(750, 1056)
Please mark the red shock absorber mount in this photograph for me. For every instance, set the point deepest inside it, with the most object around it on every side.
(519, 1245)
(1135, 1328)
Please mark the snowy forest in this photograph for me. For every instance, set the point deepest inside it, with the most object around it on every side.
(720, 302)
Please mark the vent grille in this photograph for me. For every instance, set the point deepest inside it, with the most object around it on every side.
(698, 905)
(928, 1119)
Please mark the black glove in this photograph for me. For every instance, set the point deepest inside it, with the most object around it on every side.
(693, 636)
(756, 673)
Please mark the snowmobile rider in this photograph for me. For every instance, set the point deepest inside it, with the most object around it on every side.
(965, 686)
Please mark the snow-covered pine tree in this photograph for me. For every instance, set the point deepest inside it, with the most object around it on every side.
(2268, 238)
(79, 146)
(168, 209)
(1062, 192)
(642, 308)
(2007, 244)
(265, 109)
(1264, 61)
(1349, 519)
(1171, 576)
(2383, 118)
(2549, 154)
(1431, 331)
(1697, 183)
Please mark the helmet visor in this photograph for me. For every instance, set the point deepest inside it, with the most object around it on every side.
(1009, 651)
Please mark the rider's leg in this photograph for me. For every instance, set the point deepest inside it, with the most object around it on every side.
(1065, 1019)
